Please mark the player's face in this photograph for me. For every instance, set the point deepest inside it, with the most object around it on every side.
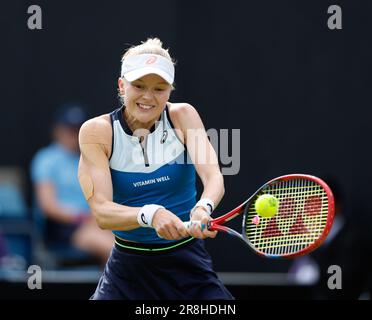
(146, 97)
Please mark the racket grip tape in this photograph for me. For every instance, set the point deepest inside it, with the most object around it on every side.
(189, 224)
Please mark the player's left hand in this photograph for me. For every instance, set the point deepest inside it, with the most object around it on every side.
(199, 214)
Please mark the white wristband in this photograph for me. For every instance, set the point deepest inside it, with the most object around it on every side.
(146, 213)
(205, 203)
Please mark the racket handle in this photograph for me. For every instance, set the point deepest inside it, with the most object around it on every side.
(189, 224)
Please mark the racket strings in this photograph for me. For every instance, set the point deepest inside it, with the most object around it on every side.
(300, 221)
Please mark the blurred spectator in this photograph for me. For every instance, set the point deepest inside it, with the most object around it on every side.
(58, 195)
(348, 245)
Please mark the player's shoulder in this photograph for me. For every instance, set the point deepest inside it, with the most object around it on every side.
(96, 130)
(100, 123)
(182, 113)
(181, 109)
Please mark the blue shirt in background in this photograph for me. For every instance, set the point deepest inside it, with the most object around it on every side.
(60, 167)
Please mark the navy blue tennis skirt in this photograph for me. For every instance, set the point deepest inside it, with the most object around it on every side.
(184, 272)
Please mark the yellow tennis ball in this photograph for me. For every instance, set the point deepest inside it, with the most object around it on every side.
(267, 205)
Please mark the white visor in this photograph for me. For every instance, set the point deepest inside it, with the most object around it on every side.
(135, 67)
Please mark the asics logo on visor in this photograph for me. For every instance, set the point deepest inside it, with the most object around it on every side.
(151, 60)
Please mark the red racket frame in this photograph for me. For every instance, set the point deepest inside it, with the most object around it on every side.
(217, 223)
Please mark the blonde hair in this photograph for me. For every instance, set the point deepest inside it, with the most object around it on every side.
(150, 46)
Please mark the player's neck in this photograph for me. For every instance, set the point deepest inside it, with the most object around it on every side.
(136, 126)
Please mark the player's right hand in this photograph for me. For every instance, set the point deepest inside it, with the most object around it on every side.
(168, 225)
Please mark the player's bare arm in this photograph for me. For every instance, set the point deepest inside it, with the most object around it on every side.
(95, 178)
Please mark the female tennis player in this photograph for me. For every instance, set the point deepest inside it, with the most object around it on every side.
(137, 171)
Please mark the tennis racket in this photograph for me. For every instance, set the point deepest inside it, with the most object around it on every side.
(303, 221)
